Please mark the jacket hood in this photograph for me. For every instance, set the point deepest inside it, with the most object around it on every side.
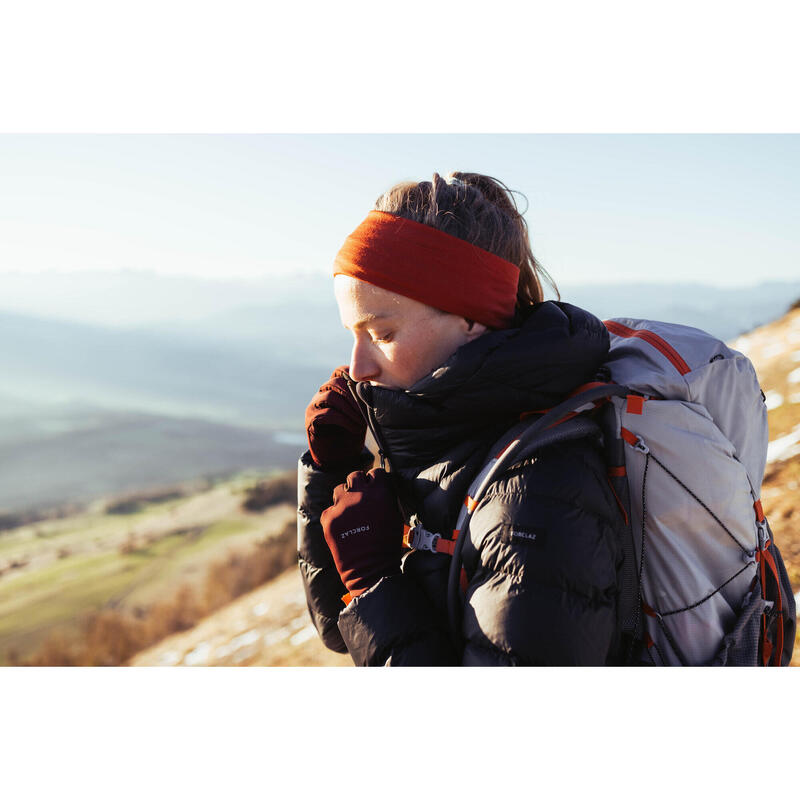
(481, 390)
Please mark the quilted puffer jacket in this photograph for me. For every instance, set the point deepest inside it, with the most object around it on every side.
(542, 557)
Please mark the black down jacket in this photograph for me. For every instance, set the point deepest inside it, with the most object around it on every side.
(547, 599)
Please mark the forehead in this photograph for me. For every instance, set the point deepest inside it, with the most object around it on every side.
(361, 303)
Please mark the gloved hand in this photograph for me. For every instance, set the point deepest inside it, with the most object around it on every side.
(335, 426)
(364, 530)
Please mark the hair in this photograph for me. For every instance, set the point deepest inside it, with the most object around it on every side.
(480, 210)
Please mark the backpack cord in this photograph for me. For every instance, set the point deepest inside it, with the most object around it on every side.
(709, 596)
(681, 483)
(659, 615)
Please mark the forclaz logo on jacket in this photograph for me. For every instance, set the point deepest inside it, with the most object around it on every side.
(527, 536)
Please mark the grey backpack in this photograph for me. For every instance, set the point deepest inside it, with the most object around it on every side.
(684, 427)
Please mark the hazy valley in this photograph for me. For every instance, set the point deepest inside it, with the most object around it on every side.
(127, 380)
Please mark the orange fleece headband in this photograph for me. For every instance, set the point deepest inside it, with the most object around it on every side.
(430, 266)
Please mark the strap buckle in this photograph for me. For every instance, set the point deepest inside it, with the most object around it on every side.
(420, 539)
(641, 446)
(763, 536)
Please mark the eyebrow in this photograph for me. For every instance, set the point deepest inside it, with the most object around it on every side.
(367, 318)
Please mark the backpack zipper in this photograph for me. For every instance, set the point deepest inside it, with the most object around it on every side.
(653, 339)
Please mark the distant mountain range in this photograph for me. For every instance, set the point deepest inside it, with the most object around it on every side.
(724, 312)
(249, 352)
(299, 309)
(51, 362)
(82, 355)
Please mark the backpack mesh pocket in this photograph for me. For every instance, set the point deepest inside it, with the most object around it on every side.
(740, 647)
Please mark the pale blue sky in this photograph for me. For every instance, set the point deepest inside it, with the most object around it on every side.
(721, 209)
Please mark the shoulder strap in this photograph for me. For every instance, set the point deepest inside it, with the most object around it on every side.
(520, 442)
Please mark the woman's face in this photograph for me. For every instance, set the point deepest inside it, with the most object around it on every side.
(397, 340)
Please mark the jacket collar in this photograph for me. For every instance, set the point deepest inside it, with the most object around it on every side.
(481, 390)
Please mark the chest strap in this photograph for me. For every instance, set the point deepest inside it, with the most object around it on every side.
(417, 538)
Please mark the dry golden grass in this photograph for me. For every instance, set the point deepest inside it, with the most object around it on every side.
(111, 636)
(268, 627)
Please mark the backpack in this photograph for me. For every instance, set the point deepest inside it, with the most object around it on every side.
(684, 431)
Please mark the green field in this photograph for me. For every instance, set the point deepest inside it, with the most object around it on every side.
(54, 572)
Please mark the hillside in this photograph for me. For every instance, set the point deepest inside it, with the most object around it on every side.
(160, 561)
(775, 350)
(78, 454)
(267, 627)
(270, 626)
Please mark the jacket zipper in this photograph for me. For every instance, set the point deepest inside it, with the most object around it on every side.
(403, 501)
(365, 409)
(653, 339)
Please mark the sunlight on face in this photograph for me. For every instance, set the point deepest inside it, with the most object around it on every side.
(397, 340)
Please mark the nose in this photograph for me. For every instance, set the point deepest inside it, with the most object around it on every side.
(363, 365)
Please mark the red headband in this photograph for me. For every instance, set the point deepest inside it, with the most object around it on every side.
(430, 266)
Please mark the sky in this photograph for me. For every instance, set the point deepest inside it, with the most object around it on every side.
(717, 209)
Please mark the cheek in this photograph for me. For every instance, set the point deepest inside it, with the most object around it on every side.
(399, 358)
(423, 349)
(440, 339)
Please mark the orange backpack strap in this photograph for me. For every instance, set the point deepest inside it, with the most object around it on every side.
(417, 538)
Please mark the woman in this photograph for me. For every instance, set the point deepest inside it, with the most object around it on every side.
(452, 344)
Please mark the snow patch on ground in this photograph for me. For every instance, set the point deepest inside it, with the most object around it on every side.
(244, 653)
(303, 635)
(197, 656)
(795, 356)
(742, 344)
(784, 446)
(278, 635)
(772, 350)
(773, 400)
(251, 637)
(794, 376)
(260, 609)
(169, 659)
(223, 651)
(243, 641)
(794, 398)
